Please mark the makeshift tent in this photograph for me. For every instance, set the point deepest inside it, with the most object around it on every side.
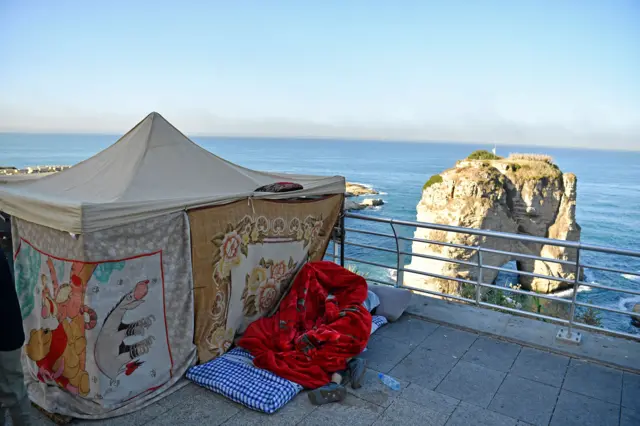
(116, 256)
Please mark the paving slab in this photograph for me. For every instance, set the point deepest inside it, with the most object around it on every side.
(458, 314)
(449, 341)
(403, 412)
(201, 408)
(525, 400)
(35, 415)
(594, 380)
(609, 350)
(376, 392)
(183, 395)
(136, 418)
(541, 366)
(425, 367)
(631, 391)
(409, 330)
(291, 414)
(384, 353)
(574, 409)
(469, 414)
(471, 383)
(629, 417)
(352, 411)
(492, 353)
(429, 399)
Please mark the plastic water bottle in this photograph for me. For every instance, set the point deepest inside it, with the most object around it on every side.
(389, 381)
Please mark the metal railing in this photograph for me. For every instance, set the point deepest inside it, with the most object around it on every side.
(475, 263)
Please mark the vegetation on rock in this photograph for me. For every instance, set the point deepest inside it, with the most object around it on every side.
(483, 154)
(530, 157)
(432, 180)
(354, 268)
(590, 316)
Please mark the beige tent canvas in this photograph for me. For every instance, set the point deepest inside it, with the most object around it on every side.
(152, 170)
(154, 253)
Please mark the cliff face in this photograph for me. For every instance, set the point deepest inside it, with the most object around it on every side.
(523, 197)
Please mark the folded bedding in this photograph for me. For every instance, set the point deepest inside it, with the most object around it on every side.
(234, 376)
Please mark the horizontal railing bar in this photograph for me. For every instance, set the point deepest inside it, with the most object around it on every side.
(443, 259)
(529, 256)
(606, 330)
(527, 313)
(435, 293)
(380, 282)
(495, 234)
(361, 231)
(602, 268)
(606, 287)
(439, 243)
(471, 231)
(369, 247)
(526, 293)
(604, 308)
(610, 250)
(442, 277)
(366, 262)
(529, 274)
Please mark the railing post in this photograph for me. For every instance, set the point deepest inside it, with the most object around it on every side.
(342, 236)
(399, 258)
(480, 273)
(335, 251)
(568, 335)
(400, 266)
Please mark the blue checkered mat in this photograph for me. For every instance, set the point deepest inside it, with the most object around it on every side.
(234, 376)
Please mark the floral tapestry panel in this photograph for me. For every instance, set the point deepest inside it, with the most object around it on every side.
(245, 255)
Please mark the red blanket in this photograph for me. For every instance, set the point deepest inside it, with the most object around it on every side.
(319, 325)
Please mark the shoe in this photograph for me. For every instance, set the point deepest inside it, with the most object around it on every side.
(332, 392)
(357, 368)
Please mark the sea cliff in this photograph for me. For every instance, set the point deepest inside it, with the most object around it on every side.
(522, 194)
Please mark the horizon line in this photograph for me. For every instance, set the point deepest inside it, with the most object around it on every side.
(329, 138)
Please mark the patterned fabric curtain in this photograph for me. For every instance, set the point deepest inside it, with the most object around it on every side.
(108, 316)
(245, 255)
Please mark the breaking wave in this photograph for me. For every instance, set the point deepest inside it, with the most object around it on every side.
(631, 277)
(569, 292)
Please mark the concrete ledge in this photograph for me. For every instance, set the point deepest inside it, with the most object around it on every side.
(603, 349)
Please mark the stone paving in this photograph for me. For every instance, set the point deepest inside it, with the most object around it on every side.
(448, 377)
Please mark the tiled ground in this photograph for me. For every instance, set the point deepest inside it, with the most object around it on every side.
(448, 377)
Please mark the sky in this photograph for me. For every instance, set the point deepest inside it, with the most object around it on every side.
(556, 72)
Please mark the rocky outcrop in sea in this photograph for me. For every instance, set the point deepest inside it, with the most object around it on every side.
(356, 190)
(522, 194)
(4, 170)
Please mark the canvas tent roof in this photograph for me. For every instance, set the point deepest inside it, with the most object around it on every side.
(152, 170)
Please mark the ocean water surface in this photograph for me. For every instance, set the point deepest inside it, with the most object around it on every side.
(608, 206)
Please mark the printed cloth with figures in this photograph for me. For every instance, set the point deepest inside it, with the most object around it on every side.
(320, 324)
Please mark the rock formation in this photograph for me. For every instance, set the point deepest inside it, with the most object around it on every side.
(4, 170)
(357, 190)
(369, 202)
(520, 195)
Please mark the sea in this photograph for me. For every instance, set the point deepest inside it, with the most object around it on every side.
(608, 204)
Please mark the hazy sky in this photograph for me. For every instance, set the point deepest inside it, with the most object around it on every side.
(515, 71)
